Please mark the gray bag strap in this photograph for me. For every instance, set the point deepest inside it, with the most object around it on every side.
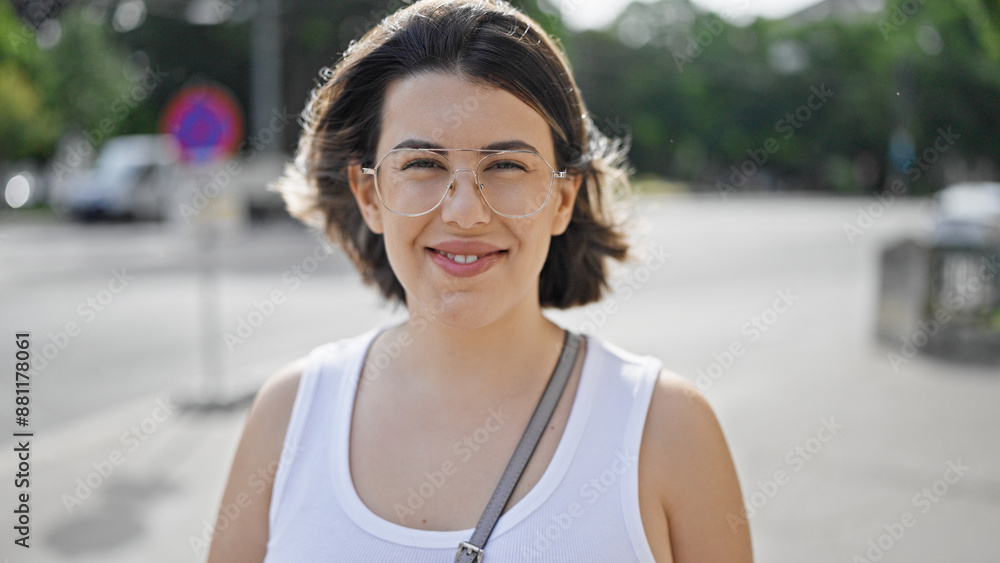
(472, 551)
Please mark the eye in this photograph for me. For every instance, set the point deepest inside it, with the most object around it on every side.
(421, 163)
(505, 165)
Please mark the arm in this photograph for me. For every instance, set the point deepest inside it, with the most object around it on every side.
(689, 468)
(246, 499)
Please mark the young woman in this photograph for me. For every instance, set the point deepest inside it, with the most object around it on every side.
(451, 156)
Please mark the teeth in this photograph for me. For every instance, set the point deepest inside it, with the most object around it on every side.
(462, 259)
(459, 258)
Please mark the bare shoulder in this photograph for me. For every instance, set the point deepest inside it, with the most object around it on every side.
(276, 397)
(251, 478)
(685, 460)
(267, 421)
(680, 414)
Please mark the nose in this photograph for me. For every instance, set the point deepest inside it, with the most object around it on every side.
(464, 204)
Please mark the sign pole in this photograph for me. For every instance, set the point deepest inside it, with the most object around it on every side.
(208, 124)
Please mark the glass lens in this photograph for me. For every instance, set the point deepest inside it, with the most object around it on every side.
(515, 183)
(412, 181)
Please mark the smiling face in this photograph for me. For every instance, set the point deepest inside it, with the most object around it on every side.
(432, 254)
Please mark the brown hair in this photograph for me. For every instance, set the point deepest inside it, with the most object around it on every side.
(483, 40)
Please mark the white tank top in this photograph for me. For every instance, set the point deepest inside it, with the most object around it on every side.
(585, 507)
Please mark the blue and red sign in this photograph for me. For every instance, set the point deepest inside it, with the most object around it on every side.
(206, 121)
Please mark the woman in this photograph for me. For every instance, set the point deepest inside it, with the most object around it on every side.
(449, 153)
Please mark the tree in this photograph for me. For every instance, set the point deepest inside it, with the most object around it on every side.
(28, 126)
(46, 91)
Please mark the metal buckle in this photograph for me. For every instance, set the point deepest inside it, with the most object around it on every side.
(477, 552)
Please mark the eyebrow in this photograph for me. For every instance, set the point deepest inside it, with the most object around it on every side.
(512, 145)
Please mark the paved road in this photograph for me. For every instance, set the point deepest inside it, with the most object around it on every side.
(765, 303)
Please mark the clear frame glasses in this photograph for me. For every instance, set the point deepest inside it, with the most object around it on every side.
(414, 182)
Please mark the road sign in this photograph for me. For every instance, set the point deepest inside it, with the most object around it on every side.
(207, 122)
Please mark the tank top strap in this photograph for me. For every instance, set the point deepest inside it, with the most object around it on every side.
(594, 515)
(326, 366)
(642, 374)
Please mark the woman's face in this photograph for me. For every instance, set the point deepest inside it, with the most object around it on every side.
(442, 110)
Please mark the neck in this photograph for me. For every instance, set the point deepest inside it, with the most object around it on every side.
(502, 358)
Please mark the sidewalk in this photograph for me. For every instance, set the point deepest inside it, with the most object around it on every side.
(135, 483)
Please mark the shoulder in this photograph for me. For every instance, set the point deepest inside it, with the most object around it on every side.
(686, 460)
(267, 422)
(276, 396)
(681, 424)
(681, 435)
(269, 416)
(258, 453)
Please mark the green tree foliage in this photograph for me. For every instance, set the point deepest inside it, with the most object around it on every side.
(713, 100)
(48, 91)
(28, 125)
(984, 16)
(702, 97)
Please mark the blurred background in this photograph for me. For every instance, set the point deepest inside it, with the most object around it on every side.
(818, 219)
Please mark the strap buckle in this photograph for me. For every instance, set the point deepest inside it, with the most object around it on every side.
(466, 547)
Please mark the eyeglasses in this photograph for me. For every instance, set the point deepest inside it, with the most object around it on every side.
(414, 182)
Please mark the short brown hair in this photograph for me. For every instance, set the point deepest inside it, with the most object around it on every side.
(487, 41)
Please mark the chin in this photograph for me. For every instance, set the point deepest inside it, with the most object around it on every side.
(458, 310)
(469, 310)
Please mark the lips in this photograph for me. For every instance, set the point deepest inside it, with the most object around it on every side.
(465, 252)
(465, 258)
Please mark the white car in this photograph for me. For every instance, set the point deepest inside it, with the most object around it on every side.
(133, 177)
(968, 215)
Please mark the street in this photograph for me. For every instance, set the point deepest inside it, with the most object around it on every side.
(767, 304)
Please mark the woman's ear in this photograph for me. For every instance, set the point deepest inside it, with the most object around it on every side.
(565, 191)
(363, 188)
